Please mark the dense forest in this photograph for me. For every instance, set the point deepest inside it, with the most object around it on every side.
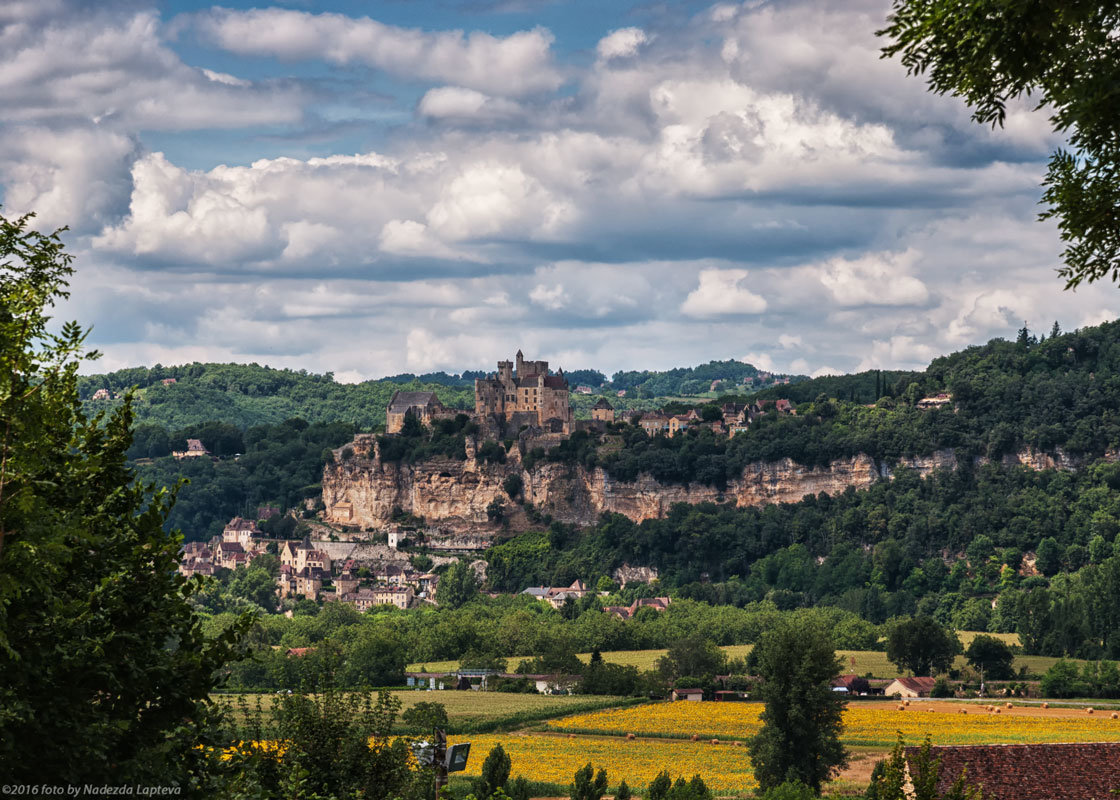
(1042, 544)
(249, 394)
(1049, 393)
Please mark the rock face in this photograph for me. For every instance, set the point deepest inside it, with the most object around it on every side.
(364, 491)
(367, 492)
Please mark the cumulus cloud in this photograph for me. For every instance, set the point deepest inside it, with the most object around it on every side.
(722, 292)
(621, 43)
(876, 279)
(116, 69)
(512, 65)
(751, 178)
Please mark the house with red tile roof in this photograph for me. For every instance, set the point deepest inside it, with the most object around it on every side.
(1070, 771)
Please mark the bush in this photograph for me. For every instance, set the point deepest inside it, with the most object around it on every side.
(941, 688)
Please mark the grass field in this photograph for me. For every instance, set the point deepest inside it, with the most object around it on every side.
(860, 662)
(480, 711)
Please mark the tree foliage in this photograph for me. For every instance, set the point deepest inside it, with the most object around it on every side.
(105, 671)
(801, 723)
(922, 646)
(1064, 55)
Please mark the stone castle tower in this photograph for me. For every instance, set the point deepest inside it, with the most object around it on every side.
(525, 394)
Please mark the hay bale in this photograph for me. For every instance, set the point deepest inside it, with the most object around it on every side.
(630, 737)
(571, 736)
(1115, 715)
(1089, 710)
(901, 707)
(715, 741)
(740, 744)
(1009, 705)
(1046, 705)
(694, 738)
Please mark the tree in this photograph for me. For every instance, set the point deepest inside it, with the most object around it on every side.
(922, 646)
(426, 717)
(1061, 680)
(894, 779)
(337, 744)
(695, 656)
(584, 788)
(992, 656)
(494, 773)
(1067, 56)
(513, 485)
(802, 720)
(457, 586)
(105, 672)
(496, 511)
(1048, 557)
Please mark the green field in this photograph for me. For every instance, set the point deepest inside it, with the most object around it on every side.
(860, 662)
(472, 711)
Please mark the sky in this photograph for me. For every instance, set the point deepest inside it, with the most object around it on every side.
(371, 188)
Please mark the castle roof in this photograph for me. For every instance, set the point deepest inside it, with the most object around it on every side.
(401, 402)
(603, 404)
(555, 382)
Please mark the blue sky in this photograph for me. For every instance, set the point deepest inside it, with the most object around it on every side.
(377, 187)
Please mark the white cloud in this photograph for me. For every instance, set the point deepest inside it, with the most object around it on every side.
(621, 43)
(512, 65)
(455, 102)
(875, 279)
(721, 293)
(116, 70)
(898, 352)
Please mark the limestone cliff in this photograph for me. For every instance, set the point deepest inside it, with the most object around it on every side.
(364, 491)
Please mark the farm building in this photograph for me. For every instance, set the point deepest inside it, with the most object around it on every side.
(910, 687)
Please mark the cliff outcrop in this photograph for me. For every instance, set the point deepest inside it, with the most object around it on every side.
(364, 491)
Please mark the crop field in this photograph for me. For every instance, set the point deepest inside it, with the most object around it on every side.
(860, 662)
(469, 711)
(554, 759)
(865, 724)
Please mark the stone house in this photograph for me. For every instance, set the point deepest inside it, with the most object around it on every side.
(425, 406)
(910, 687)
(655, 424)
(602, 411)
(241, 531)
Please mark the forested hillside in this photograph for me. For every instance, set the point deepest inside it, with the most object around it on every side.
(247, 394)
(1057, 392)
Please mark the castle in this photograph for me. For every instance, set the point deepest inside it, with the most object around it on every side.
(525, 394)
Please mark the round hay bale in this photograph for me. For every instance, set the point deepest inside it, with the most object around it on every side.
(571, 736)
(694, 738)
(998, 710)
(715, 741)
(905, 702)
(1115, 715)
(630, 736)
(740, 744)
(1009, 705)
(1089, 710)
(1046, 705)
(901, 707)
